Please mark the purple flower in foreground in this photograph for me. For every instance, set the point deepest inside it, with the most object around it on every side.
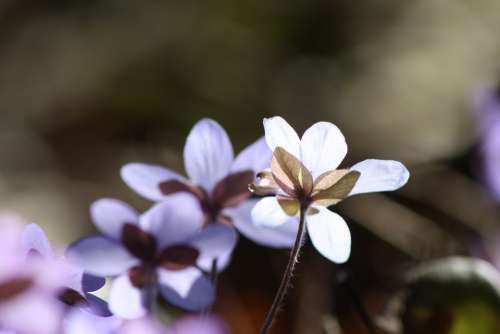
(162, 249)
(80, 322)
(77, 285)
(487, 108)
(217, 179)
(199, 325)
(304, 176)
(28, 287)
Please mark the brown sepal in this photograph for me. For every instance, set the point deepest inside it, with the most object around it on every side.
(14, 287)
(138, 242)
(291, 206)
(340, 189)
(178, 257)
(233, 189)
(290, 174)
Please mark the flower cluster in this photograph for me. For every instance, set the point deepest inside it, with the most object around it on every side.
(175, 249)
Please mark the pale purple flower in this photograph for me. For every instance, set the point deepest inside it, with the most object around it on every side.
(487, 109)
(163, 248)
(217, 179)
(199, 325)
(304, 173)
(77, 285)
(81, 322)
(28, 287)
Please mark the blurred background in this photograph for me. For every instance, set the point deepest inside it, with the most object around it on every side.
(86, 86)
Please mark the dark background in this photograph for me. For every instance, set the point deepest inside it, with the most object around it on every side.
(87, 86)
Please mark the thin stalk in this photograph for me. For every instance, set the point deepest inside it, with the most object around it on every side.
(213, 278)
(287, 275)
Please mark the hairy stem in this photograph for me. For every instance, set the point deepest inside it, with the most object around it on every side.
(287, 276)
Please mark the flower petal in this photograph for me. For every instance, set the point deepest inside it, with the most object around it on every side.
(255, 157)
(32, 312)
(322, 148)
(201, 295)
(109, 215)
(208, 154)
(125, 300)
(268, 212)
(80, 321)
(173, 220)
(92, 283)
(282, 236)
(33, 238)
(199, 325)
(145, 179)
(181, 281)
(97, 306)
(379, 175)
(280, 134)
(215, 241)
(101, 256)
(329, 234)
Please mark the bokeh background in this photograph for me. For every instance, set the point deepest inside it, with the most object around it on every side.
(88, 85)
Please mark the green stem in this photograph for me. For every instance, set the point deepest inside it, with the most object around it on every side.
(287, 276)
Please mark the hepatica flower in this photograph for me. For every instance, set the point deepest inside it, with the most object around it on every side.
(77, 287)
(163, 249)
(487, 108)
(304, 178)
(217, 179)
(28, 287)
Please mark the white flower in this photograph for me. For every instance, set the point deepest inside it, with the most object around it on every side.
(304, 175)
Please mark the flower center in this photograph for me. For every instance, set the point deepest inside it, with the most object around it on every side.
(228, 192)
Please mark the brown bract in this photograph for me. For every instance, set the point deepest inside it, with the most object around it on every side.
(228, 192)
(293, 184)
(14, 287)
(72, 297)
(143, 245)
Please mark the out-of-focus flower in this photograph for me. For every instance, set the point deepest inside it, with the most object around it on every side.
(487, 109)
(217, 179)
(77, 285)
(28, 286)
(199, 325)
(162, 249)
(81, 322)
(303, 176)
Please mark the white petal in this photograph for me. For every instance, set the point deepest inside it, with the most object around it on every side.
(280, 133)
(268, 212)
(145, 179)
(329, 234)
(255, 157)
(109, 216)
(125, 300)
(208, 154)
(34, 238)
(282, 236)
(101, 256)
(181, 280)
(215, 241)
(174, 220)
(323, 148)
(379, 175)
(200, 296)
